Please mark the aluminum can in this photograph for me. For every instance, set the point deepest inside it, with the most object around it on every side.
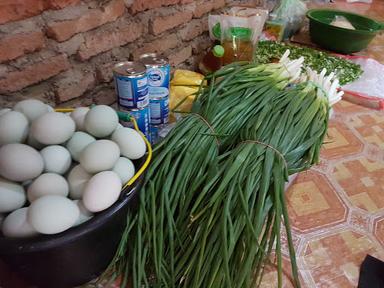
(155, 129)
(142, 119)
(131, 85)
(159, 110)
(158, 72)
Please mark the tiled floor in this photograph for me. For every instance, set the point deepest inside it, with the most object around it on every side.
(337, 208)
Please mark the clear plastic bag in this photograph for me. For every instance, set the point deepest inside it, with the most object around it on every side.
(362, 1)
(371, 82)
(342, 22)
(292, 12)
(214, 27)
(240, 31)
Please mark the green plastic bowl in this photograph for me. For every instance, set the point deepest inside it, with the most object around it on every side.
(338, 39)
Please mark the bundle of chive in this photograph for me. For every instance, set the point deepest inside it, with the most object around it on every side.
(212, 204)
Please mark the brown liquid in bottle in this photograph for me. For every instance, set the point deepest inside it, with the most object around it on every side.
(237, 50)
(210, 63)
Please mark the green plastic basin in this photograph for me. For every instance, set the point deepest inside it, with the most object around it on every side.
(338, 39)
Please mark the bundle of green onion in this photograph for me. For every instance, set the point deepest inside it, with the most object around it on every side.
(212, 203)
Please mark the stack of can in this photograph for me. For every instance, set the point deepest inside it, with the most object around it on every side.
(131, 84)
(142, 90)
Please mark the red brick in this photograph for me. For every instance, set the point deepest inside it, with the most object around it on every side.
(164, 23)
(20, 44)
(64, 30)
(3, 71)
(186, 1)
(160, 46)
(217, 4)
(105, 96)
(82, 101)
(141, 5)
(201, 44)
(104, 72)
(202, 8)
(11, 10)
(101, 41)
(193, 29)
(74, 84)
(59, 4)
(180, 56)
(70, 46)
(34, 73)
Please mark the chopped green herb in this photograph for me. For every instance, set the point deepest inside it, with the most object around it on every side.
(345, 70)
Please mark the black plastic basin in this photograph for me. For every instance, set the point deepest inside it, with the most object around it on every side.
(75, 256)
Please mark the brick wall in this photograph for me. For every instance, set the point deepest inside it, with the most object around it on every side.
(62, 51)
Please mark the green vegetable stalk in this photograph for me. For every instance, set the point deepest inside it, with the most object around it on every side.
(212, 205)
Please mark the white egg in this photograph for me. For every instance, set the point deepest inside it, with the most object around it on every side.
(4, 110)
(50, 108)
(52, 214)
(12, 196)
(31, 108)
(101, 191)
(99, 156)
(119, 126)
(130, 142)
(31, 141)
(77, 143)
(56, 158)
(78, 115)
(20, 162)
(77, 180)
(101, 121)
(125, 169)
(13, 128)
(85, 215)
(47, 184)
(53, 128)
(17, 225)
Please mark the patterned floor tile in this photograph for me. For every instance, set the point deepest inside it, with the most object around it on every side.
(362, 180)
(370, 127)
(270, 276)
(373, 152)
(340, 142)
(313, 203)
(345, 107)
(323, 166)
(359, 220)
(284, 240)
(379, 230)
(334, 260)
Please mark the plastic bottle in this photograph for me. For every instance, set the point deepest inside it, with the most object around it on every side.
(237, 50)
(212, 61)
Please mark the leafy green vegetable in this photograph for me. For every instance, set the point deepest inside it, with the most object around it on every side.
(212, 205)
(345, 70)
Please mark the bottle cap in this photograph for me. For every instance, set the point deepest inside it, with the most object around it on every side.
(218, 51)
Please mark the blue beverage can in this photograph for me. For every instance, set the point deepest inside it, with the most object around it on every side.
(159, 110)
(131, 84)
(158, 72)
(155, 129)
(142, 119)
